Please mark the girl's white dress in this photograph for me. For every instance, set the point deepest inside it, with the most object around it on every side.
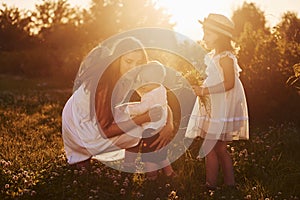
(226, 116)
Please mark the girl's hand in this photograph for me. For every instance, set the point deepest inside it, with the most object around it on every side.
(199, 91)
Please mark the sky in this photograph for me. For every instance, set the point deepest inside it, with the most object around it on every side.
(187, 12)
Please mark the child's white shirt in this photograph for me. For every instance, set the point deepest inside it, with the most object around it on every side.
(156, 97)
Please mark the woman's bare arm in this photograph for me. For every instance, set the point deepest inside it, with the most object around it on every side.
(120, 128)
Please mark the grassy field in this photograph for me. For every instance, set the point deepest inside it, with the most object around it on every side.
(33, 164)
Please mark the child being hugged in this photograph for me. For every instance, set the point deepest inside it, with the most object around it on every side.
(227, 118)
(153, 96)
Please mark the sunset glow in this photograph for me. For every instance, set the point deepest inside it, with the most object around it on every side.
(186, 13)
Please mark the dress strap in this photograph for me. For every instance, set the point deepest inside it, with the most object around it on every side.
(226, 53)
(233, 57)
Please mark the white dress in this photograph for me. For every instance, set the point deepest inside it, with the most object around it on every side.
(226, 116)
(82, 137)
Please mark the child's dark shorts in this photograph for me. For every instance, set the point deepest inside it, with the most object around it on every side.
(149, 154)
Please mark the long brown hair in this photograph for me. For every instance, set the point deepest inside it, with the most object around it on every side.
(224, 43)
(110, 76)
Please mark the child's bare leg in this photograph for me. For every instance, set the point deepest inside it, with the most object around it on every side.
(212, 168)
(211, 162)
(167, 169)
(151, 169)
(226, 162)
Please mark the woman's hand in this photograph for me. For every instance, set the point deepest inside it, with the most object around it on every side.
(165, 136)
(167, 133)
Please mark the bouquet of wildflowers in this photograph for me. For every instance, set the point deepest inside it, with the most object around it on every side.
(195, 77)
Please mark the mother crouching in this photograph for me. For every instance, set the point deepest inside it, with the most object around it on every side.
(88, 126)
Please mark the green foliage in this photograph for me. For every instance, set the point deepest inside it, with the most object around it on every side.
(267, 59)
(66, 34)
(14, 28)
(247, 15)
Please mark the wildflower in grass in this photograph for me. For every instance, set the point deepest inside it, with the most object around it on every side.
(232, 149)
(126, 180)
(119, 176)
(33, 192)
(6, 186)
(125, 184)
(98, 171)
(15, 178)
(112, 176)
(173, 195)
(115, 183)
(139, 195)
(122, 191)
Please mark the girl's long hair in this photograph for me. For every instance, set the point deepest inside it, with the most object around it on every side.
(224, 43)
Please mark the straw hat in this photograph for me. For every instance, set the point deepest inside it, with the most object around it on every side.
(218, 23)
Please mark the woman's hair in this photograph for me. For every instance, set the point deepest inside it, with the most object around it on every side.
(111, 75)
(126, 45)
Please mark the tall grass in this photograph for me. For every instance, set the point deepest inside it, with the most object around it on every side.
(33, 163)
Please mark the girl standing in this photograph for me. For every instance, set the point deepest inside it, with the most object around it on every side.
(226, 118)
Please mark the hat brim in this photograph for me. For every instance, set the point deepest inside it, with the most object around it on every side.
(215, 28)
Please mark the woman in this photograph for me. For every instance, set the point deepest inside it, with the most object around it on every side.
(88, 126)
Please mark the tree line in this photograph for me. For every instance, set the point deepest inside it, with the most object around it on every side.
(51, 41)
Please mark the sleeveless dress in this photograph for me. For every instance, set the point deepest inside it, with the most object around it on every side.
(82, 137)
(225, 117)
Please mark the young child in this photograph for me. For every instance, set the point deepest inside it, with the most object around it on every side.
(153, 94)
(227, 118)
